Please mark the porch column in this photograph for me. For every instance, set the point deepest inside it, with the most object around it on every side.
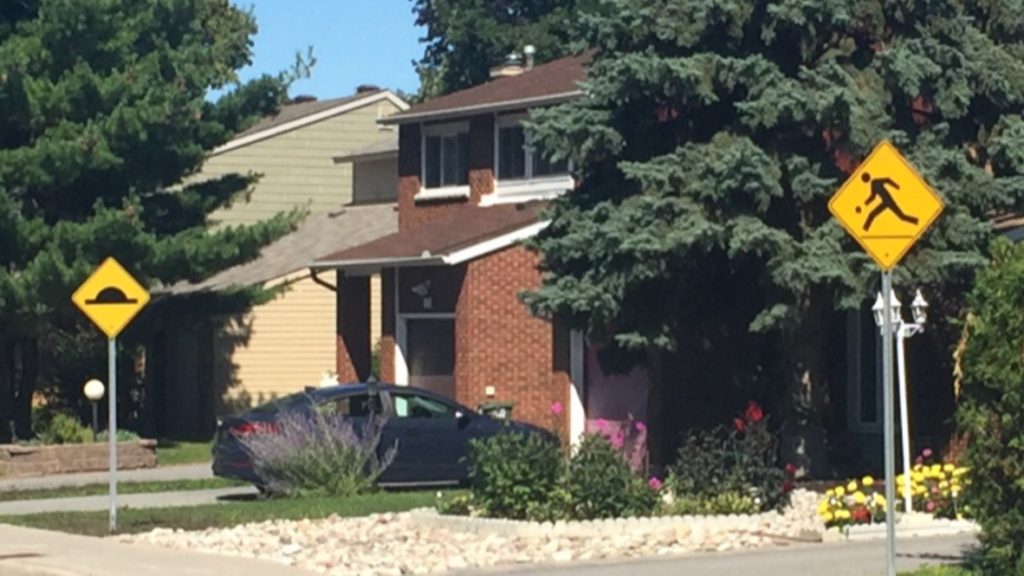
(353, 328)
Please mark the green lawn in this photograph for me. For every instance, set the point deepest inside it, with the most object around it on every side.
(225, 515)
(122, 488)
(171, 452)
(939, 571)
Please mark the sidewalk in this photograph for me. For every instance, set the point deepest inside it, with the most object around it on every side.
(163, 473)
(151, 500)
(28, 552)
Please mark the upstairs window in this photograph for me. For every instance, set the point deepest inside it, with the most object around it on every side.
(518, 159)
(445, 157)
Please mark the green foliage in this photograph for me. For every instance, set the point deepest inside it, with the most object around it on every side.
(122, 436)
(991, 405)
(465, 38)
(98, 132)
(715, 465)
(517, 476)
(318, 455)
(454, 505)
(712, 136)
(601, 483)
(61, 428)
(714, 504)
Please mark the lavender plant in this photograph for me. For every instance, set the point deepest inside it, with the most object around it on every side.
(315, 454)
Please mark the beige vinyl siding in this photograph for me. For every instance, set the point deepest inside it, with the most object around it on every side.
(298, 167)
(291, 343)
(375, 310)
(375, 180)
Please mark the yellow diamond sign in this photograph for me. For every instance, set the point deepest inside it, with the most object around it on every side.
(110, 297)
(886, 205)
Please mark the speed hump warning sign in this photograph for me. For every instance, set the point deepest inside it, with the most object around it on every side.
(110, 297)
(886, 205)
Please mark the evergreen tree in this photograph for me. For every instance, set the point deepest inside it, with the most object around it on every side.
(465, 38)
(714, 133)
(103, 116)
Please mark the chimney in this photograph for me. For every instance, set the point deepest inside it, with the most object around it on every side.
(529, 50)
(364, 88)
(303, 99)
(513, 66)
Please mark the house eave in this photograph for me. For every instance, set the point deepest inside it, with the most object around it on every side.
(490, 107)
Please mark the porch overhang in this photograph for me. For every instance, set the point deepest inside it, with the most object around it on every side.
(465, 235)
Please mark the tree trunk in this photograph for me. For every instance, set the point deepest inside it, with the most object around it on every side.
(26, 387)
(803, 435)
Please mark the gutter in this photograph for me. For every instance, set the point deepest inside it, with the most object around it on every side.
(407, 118)
(426, 260)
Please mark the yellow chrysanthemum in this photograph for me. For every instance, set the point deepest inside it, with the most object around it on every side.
(959, 472)
(948, 468)
(840, 491)
(828, 517)
(830, 492)
(879, 500)
(852, 486)
(860, 498)
(944, 485)
(868, 481)
(918, 477)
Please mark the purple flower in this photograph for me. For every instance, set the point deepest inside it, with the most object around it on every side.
(602, 425)
(654, 483)
(640, 426)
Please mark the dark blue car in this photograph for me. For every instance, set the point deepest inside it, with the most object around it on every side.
(432, 432)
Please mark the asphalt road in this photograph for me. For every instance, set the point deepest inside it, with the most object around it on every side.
(839, 559)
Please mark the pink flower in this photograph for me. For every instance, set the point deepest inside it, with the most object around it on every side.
(654, 483)
(557, 408)
(791, 469)
(602, 425)
(927, 453)
(740, 424)
(640, 426)
(754, 412)
(930, 506)
(618, 440)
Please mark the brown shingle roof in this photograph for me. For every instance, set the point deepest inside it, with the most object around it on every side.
(466, 227)
(318, 234)
(555, 80)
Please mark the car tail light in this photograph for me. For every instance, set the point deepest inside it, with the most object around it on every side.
(246, 428)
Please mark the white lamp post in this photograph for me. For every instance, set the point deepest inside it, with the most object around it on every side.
(94, 391)
(904, 330)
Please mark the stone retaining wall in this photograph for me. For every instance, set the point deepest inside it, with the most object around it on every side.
(18, 461)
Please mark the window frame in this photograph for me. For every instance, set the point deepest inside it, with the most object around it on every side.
(529, 187)
(453, 410)
(450, 191)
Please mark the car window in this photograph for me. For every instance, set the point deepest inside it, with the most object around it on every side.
(350, 405)
(288, 402)
(408, 405)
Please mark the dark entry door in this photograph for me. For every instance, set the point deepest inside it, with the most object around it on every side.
(430, 354)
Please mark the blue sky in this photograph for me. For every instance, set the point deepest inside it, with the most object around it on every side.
(354, 41)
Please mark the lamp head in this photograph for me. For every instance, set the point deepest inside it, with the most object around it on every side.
(919, 308)
(877, 309)
(94, 390)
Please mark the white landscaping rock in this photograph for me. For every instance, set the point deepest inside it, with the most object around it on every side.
(423, 542)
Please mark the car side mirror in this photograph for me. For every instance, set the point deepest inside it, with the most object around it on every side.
(462, 418)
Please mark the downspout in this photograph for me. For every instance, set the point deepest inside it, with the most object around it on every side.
(314, 274)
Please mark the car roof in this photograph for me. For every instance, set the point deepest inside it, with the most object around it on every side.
(365, 387)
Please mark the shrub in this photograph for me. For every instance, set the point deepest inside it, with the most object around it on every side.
(743, 460)
(315, 454)
(457, 505)
(991, 405)
(602, 484)
(122, 436)
(723, 503)
(61, 428)
(516, 475)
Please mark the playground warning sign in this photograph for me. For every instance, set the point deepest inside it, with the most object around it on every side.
(886, 205)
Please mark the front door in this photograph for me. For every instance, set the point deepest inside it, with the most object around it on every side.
(430, 354)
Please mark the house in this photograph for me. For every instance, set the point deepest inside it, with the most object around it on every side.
(208, 364)
(471, 189)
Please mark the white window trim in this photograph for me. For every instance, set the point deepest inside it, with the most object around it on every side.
(528, 188)
(442, 192)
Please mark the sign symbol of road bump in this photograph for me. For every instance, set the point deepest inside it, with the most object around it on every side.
(110, 297)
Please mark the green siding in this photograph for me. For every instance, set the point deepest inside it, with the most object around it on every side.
(297, 166)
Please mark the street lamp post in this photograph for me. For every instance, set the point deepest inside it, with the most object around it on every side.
(903, 330)
(94, 391)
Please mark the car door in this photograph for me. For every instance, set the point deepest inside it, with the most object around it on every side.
(430, 438)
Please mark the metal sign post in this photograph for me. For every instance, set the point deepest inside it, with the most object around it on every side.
(111, 298)
(890, 432)
(886, 206)
(112, 427)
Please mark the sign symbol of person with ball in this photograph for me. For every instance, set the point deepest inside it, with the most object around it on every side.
(887, 202)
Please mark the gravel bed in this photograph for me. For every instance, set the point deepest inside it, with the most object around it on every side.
(419, 542)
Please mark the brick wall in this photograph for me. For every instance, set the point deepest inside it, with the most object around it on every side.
(499, 343)
(24, 461)
(481, 173)
(387, 326)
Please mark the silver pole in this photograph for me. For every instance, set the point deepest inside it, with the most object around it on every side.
(112, 428)
(890, 432)
(901, 361)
